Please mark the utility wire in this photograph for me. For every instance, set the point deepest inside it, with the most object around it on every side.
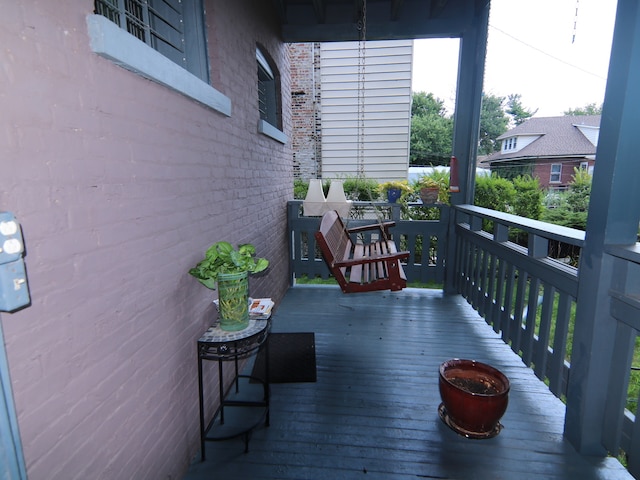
(547, 54)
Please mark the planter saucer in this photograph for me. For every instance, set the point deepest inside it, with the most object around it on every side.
(448, 421)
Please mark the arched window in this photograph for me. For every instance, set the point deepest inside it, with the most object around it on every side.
(269, 103)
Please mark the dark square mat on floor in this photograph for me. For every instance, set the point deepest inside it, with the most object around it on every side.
(292, 358)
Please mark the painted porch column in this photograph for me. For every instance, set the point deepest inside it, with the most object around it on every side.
(12, 465)
(614, 212)
(473, 49)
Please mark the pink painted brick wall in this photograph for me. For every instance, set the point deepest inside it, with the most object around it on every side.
(120, 185)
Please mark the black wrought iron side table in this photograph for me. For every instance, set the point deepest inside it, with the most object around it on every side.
(252, 409)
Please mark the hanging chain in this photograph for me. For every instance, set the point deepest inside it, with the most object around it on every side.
(362, 50)
(575, 22)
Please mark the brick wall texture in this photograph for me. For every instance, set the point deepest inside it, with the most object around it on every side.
(120, 185)
(305, 112)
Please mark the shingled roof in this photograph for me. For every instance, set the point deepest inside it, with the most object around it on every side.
(559, 137)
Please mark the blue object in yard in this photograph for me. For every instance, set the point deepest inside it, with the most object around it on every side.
(393, 194)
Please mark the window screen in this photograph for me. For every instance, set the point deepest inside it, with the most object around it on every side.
(174, 28)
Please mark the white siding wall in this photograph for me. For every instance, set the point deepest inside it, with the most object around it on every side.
(592, 133)
(387, 111)
(523, 141)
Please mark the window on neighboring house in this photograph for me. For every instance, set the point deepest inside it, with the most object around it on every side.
(515, 141)
(556, 173)
(269, 98)
(584, 166)
(175, 28)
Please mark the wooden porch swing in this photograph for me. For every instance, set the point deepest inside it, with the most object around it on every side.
(361, 266)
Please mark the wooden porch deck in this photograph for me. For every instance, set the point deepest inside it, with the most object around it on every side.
(373, 411)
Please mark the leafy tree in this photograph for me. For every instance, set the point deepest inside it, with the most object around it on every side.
(431, 139)
(589, 109)
(432, 128)
(493, 123)
(515, 109)
(424, 104)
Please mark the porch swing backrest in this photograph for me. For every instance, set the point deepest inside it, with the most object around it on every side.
(361, 266)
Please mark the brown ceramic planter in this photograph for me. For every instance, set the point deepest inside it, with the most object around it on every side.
(429, 195)
(474, 397)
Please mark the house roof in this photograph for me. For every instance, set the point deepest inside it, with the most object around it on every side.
(558, 137)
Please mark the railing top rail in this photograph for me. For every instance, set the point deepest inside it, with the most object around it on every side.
(626, 252)
(568, 235)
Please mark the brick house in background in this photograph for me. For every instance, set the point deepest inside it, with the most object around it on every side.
(549, 148)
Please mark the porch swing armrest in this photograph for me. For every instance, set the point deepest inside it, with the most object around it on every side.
(374, 226)
(372, 259)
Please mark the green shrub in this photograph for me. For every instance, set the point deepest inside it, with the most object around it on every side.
(495, 193)
(300, 188)
(362, 189)
(527, 201)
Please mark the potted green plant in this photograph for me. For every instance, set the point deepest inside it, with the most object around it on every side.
(429, 189)
(228, 269)
(394, 189)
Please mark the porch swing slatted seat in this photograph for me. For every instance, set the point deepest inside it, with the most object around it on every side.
(359, 266)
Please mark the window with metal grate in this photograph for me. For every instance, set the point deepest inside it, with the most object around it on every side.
(269, 98)
(175, 28)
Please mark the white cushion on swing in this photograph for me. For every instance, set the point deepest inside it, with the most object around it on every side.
(314, 204)
(337, 200)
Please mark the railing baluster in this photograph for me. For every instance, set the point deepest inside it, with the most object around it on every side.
(521, 290)
(556, 372)
(541, 349)
(483, 285)
(506, 320)
(530, 329)
(495, 292)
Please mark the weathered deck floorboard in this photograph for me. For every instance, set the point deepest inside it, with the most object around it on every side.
(373, 411)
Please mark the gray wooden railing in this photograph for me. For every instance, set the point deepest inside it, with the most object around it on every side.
(529, 298)
(621, 429)
(524, 294)
(425, 239)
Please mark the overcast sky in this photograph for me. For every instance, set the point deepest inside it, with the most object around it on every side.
(531, 51)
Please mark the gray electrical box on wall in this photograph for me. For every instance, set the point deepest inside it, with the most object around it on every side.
(14, 289)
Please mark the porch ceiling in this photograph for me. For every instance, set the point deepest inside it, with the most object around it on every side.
(336, 20)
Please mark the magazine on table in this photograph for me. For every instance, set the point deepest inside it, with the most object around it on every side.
(260, 308)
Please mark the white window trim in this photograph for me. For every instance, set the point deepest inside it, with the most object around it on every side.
(551, 173)
(269, 130)
(110, 41)
(263, 62)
